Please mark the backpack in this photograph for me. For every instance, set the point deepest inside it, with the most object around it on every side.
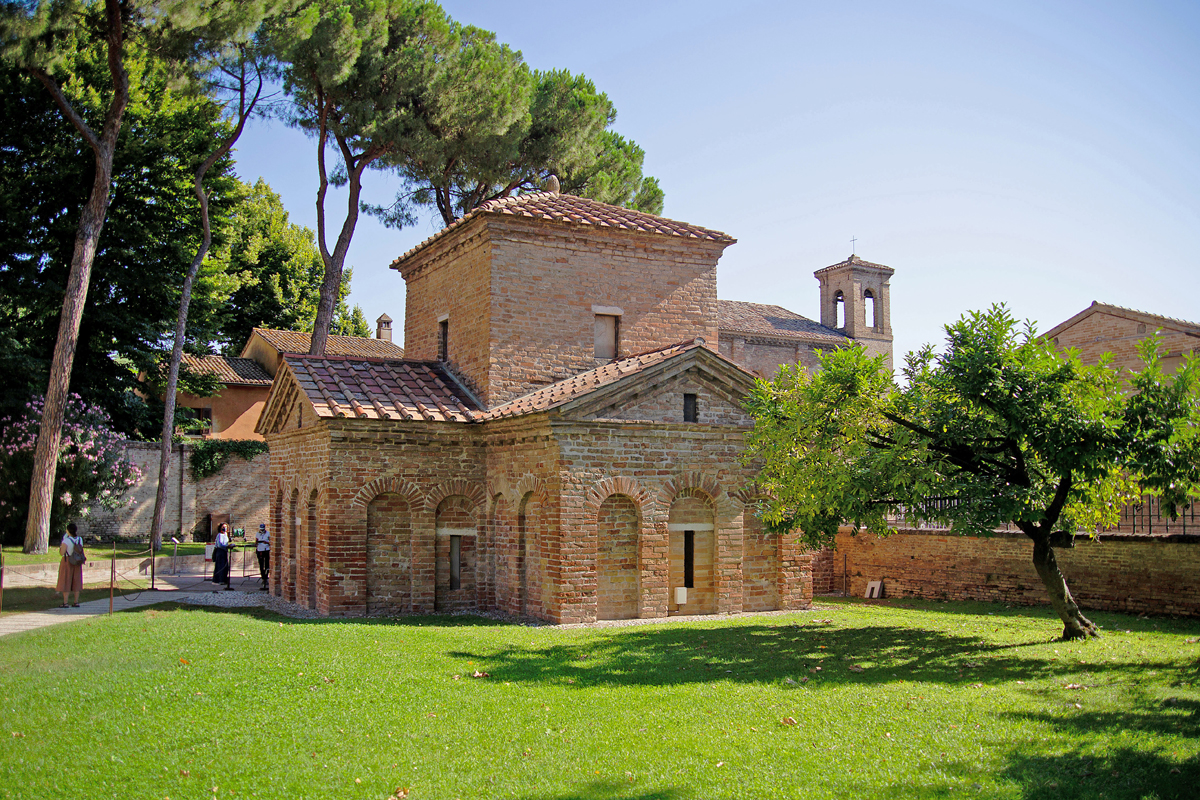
(77, 555)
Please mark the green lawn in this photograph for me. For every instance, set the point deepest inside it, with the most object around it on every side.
(14, 557)
(952, 700)
(24, 599)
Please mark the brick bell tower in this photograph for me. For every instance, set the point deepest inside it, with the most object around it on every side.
(856, 300)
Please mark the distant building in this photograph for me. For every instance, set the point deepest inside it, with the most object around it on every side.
(233, 412)
(1102, 328)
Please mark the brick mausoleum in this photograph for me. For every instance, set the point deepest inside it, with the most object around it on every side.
(562, 438)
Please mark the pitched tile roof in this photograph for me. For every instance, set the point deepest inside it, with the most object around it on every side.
(371, 388)
(573, 210)
(1169, 320)
(230, 371)
(297, 342)
(768, 320)
(1190, 328)
(564, 391)
(854, 260)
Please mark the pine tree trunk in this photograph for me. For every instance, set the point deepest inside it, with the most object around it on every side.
(168, 429)
(45, 457)
(334, 262)
(1075, 624)
(185, 300)
(87, 238)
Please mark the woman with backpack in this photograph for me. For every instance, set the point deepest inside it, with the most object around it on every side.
(70, 569)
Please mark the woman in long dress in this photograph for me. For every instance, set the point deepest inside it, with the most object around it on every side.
(221, 556)
(70, 575)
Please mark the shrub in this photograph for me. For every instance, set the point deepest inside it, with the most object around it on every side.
(92, 467)
(209, 456)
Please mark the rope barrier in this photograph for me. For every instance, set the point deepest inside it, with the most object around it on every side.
(33, 575)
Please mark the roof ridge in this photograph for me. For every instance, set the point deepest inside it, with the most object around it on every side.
(570, 209)
(1098, 304)
(587, 381)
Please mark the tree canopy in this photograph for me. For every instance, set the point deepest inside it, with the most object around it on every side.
(265, 271)
(275, 271)
(541, 123)
(398, 84)
(1000, 427)
(151, 230)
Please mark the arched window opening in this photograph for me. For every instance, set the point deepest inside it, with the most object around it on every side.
(839, 309)
(869, 298)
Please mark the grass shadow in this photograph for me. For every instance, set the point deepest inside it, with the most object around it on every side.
(808, 655)
(800, 651)
(1118, 774)
(614, 790)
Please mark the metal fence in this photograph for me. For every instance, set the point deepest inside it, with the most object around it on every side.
(1147, 518)
(1143, 518)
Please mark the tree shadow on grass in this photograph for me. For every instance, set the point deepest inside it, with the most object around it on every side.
(807, 656)
(802, 653)
(1120, 772)
(613, 790)
(1107, 620)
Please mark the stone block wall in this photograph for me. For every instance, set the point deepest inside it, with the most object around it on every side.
(1118, 572)
(240, 490)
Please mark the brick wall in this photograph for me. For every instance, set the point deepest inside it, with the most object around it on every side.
(533, 490)
(1118, 572)
(520, 295)
(1103, 332)
(389, 555)
(693, 511)
(674, 474)
(546, 279)
(664, 403)
(454, 280)
(455, 519)
(760, 566)
(522, 544)
(240, 490)
(617, 559)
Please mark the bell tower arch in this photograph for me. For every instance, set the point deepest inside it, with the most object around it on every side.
(856, 300)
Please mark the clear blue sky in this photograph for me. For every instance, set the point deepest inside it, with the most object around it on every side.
(1040, 154)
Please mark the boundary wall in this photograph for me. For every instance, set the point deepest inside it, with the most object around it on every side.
(239, 490)
(1116, 572)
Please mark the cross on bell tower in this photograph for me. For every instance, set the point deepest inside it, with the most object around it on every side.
(856, 301)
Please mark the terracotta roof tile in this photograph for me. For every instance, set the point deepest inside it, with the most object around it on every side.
(566, 390)
(1169, 320)
(297, 342)
(370, 388)
(768, 320)
(230, 371)
(573, 210)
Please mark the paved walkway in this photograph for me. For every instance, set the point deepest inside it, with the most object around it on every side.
(173, 589)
